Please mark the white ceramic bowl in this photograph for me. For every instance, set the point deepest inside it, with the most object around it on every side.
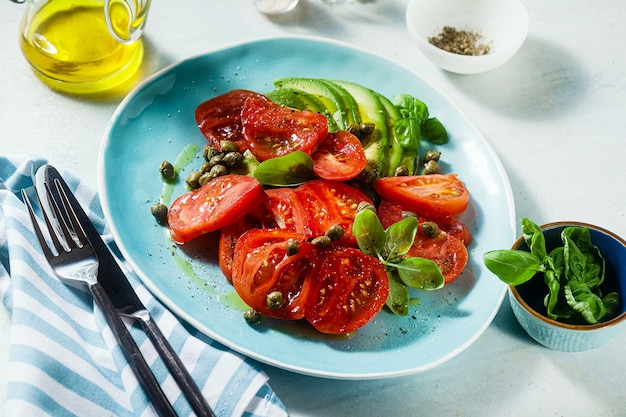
(503, 24)
(527, 299)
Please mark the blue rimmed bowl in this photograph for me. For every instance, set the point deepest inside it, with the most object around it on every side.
(527, 299)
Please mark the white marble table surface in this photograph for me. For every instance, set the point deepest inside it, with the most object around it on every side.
(554, 114)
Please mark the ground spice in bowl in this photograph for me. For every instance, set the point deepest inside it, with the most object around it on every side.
(460, 42)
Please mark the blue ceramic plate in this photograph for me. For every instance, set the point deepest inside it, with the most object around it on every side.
(156, 122)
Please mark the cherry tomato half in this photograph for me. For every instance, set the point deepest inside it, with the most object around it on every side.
(219, 202)
(273, 130)
(431, 196)
(339, 156)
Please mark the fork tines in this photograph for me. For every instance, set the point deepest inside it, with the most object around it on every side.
(67, 237)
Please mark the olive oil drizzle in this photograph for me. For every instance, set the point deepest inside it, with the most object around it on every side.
(229, 299)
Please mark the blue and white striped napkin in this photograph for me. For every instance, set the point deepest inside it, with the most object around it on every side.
(63, 358)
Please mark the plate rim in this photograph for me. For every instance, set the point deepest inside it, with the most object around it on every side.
(163, 299)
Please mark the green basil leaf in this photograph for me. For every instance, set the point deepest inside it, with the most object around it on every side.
(434, 131)
(399, 238)
(611, 302)
(369, 233)
(552, 298)
(533, 236)
(584, 301)
(292, 169)
(420, 273)
(512, 266)
(407, 132)
(583, 261)
(398, 299)
(411, 107)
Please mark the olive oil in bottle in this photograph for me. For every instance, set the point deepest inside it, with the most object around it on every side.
(71, 49)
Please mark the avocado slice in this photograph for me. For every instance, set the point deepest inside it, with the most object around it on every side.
(323, 90)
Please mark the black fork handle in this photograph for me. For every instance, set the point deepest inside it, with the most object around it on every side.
(134, 356)
(175, 366)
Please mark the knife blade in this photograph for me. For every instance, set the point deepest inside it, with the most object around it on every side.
(127, 303)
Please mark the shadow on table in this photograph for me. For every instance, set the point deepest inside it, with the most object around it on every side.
(542, 81)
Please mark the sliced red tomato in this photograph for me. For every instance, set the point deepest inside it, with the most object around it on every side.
(273, 130)
(350, 290)
(389, 213)
(431, 196)
(328, 203)
(448, 252)
(221, 201)
(339, 156)
(283, 210)
(228, 238)
(261, 266)
(220, 117)
(453, 227)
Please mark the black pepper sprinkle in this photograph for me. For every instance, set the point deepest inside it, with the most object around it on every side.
(460, 42)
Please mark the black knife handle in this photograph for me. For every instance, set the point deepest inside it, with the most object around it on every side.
(134, 356)
(176, 367)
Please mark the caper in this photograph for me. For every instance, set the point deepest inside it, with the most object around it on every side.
(430, 229)
(232, 159)
(432, 167)
(274, 300)
(159, 211)
(432, 156)
(216, 159)
(321, 242)
(364, 205)
(406, 214)
(368, 175)
(355, 129)
(218, 171)
(209, 152)
(335, 232)
(167, 170)
(192, 180)
(293, 246)
(367, 128)
(401, 171)
(228, 146)
(252, 316)
(205, 167)
(204, 178)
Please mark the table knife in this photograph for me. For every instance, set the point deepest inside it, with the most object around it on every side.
(127, 303)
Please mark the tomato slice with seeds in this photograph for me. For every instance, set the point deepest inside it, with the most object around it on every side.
(283, 210)
(272, 130)
(220, 117)
(261, 266)
(432, 196)
(389, 213)
(350, 290)
(219, 202)
(328, 203)
(340, 157)
(447, 251)
(228, 239)
(455, 228)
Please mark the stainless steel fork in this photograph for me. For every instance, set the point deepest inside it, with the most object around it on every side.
(75, 263)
